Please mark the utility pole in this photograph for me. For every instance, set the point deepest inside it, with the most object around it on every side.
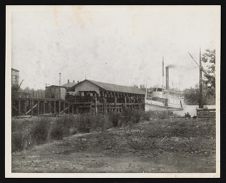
(162, 72)
(200, 80)
(59, 107)
(59, 83)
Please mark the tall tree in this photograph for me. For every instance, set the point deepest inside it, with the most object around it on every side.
(191, 96)
(209, 59)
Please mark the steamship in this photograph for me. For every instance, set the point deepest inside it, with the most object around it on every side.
(163, 98)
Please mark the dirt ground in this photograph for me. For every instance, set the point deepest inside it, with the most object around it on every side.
(164, 146)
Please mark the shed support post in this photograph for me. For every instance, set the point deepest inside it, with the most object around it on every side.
(104, 105)
(54, 107)
(44, 107)
(49, 107)
(115, 101)
(95, 104)
(25, 106)
(32, 103)
(64, 107)
(59, 106)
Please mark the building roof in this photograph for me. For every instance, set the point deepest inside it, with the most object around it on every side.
(15, 70)
(54, 86)
(117, 88)
(69, 84)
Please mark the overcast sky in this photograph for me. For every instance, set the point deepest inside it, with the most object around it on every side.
(117, 44)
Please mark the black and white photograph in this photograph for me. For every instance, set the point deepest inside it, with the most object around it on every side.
(113, 91)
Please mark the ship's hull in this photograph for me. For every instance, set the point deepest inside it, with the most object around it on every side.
(151, 106)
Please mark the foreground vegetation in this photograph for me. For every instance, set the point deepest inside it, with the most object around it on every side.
(27, 133)
(115, 143)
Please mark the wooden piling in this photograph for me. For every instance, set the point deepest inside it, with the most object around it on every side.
(59, 105)
(38, 107)
(32, 103)
(44, 107)
(73, 110)
(54, 107)
(19, 107)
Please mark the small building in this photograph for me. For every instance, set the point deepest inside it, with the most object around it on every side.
(55, 92)
(104, 97)
(15, 77)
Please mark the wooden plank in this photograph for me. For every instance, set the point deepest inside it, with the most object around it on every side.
(64, 110)
(30, 110)
(206, 113)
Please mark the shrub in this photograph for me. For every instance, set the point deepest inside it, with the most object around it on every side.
(96, 121)
(146, 116)
(56, 132)
(84, 123)
(114, 118)
(63, 126)
(20, 125)
(126, 115)
(87, 122)
(129, 115)
(39, 132)
(136, 116)
(72, 131)
(164, 114)
(105, 123)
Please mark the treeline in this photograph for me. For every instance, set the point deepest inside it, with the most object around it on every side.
(191, 96)
(27, 92)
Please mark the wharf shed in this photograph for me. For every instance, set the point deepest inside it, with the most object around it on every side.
(89, 95)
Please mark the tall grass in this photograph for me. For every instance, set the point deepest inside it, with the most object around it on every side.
(27, 133)
(63, 126)
(39, 132)
(114, 118)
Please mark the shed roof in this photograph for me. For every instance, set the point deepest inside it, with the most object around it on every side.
(117, 88)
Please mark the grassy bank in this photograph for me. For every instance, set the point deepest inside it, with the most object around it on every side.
(27, 133)
(155, 145)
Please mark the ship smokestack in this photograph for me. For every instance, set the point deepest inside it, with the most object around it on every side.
(167, 77)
